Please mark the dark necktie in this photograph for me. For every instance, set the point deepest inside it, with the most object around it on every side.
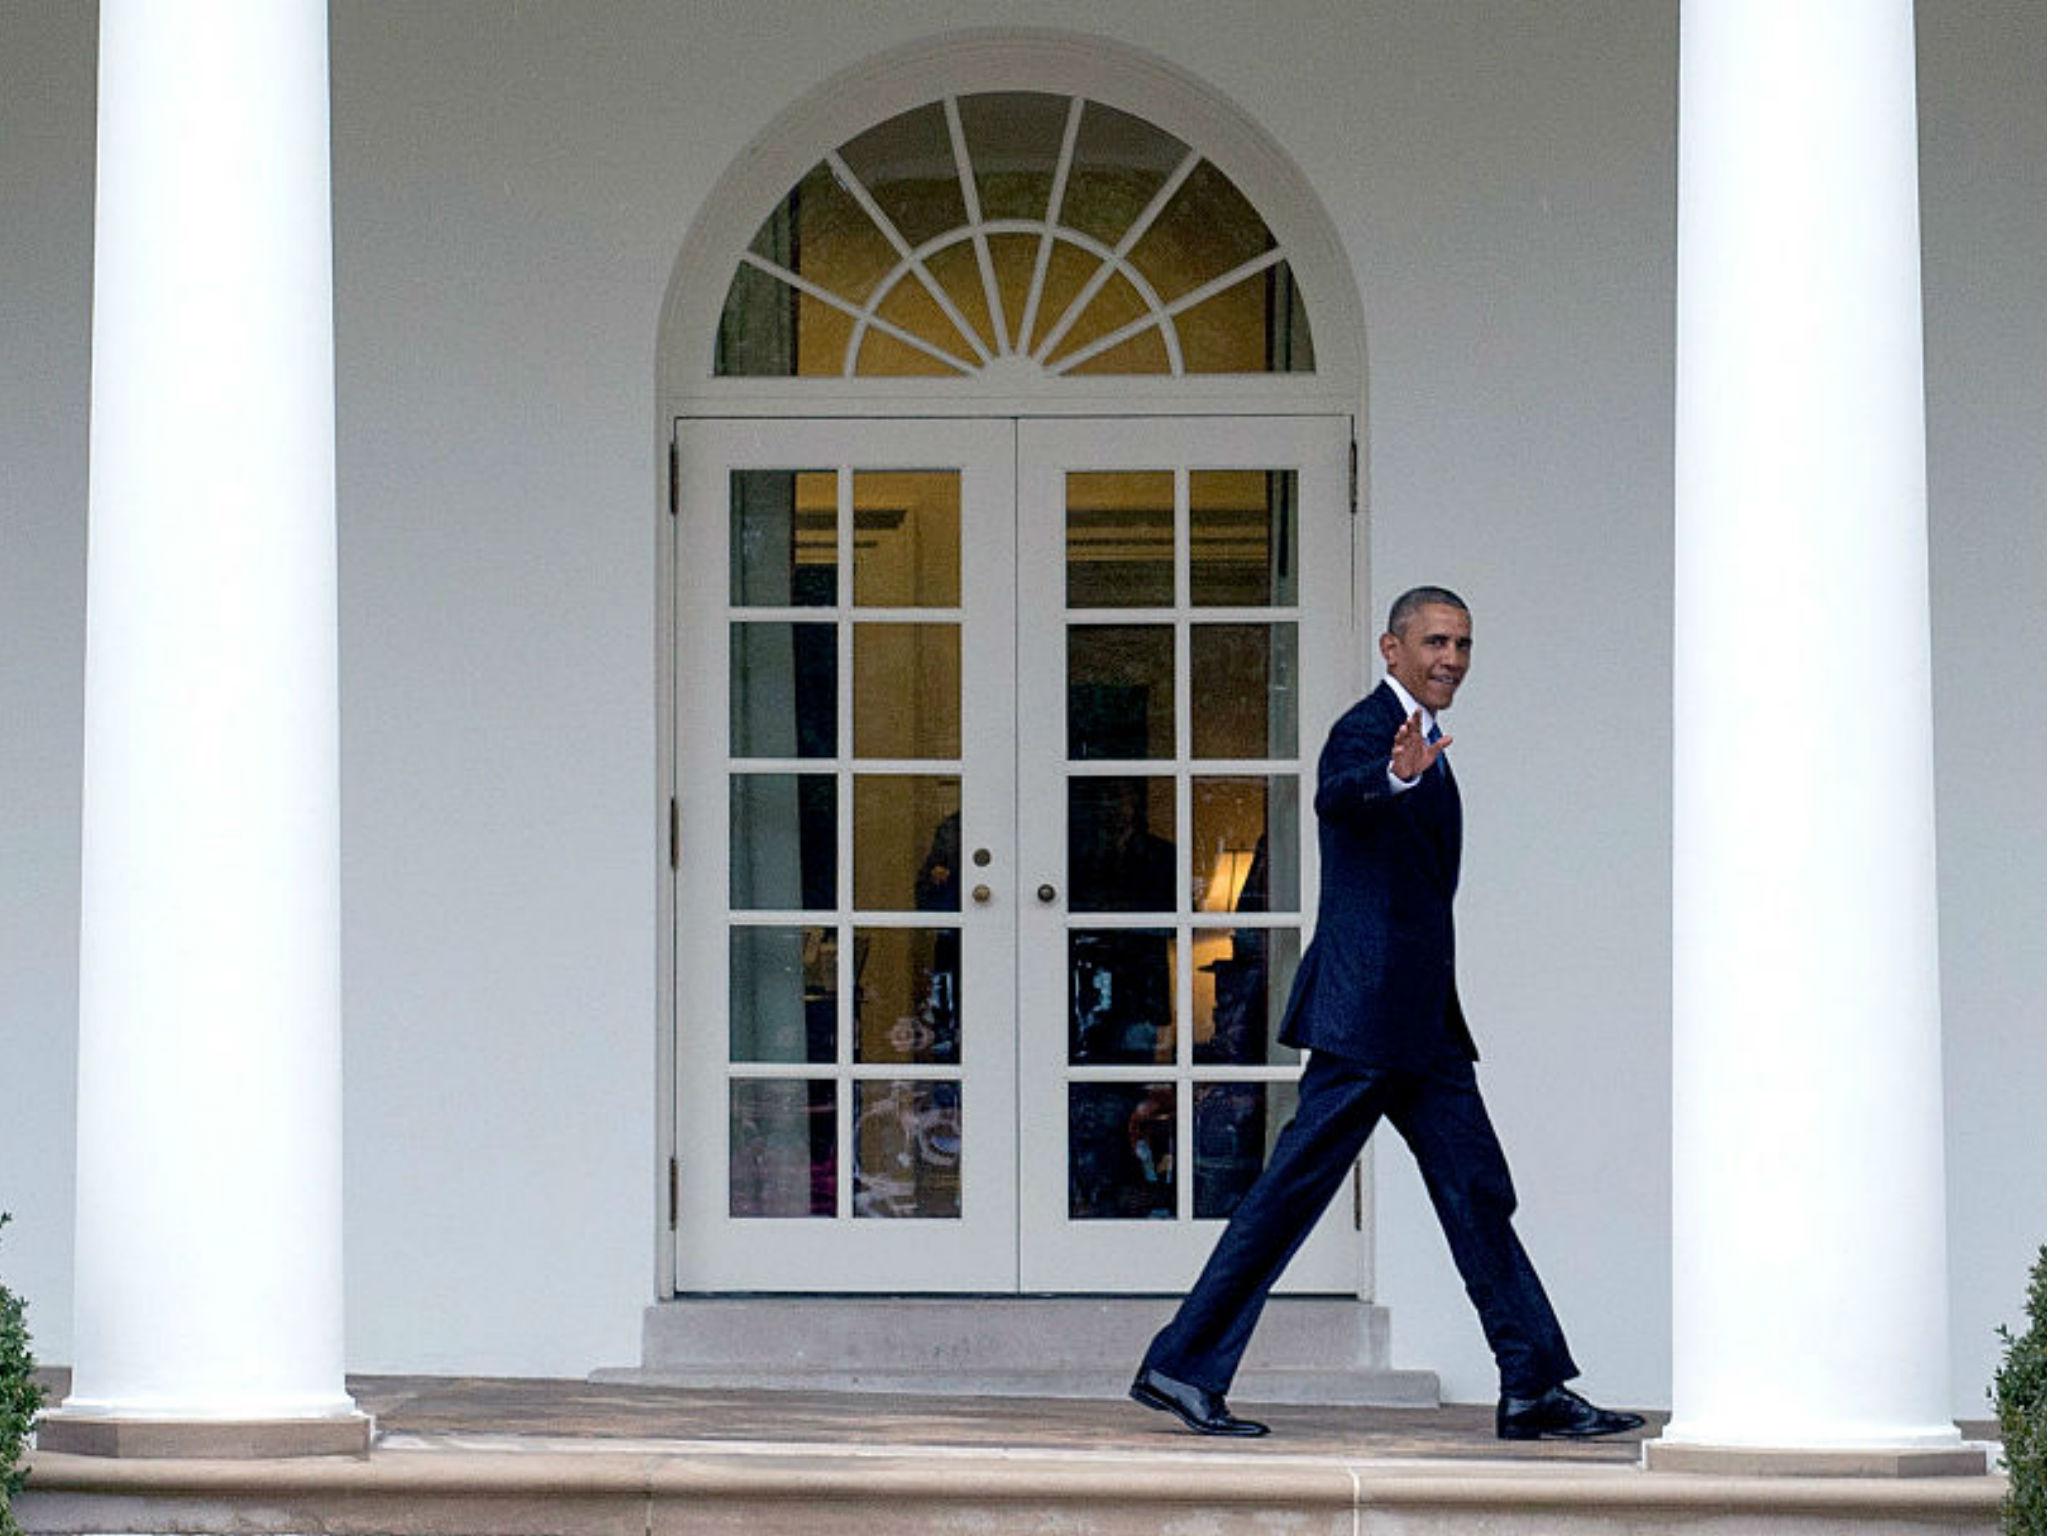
(1436, 734)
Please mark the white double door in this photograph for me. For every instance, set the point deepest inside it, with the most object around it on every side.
(995, 751)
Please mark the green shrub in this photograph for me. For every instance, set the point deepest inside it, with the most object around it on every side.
(20, 1397)
(2017, 1393)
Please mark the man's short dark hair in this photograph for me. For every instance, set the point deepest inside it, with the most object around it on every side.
(1411, 602)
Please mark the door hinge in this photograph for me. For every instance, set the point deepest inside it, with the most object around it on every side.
(675, 472)
(1357, 1197)
(674, 1192)
(675, 834)
(1354, 478)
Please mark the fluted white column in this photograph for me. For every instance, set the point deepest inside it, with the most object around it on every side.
(208, 1265)
(1810, 1306)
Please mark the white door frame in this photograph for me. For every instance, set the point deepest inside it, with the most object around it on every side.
(977, 1250)
(1057, 1252)
(1085, 1257)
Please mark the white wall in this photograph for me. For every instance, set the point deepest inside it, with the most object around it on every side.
(1511, 214)
(1981, 242)
(46, 185)
(511, 185)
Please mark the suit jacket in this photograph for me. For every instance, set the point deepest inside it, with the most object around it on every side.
(1378, 984)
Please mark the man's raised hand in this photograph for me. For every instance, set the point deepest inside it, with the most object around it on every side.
(1413, 753)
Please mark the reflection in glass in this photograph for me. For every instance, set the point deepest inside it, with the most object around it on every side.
(784, 843)
(1256, 326)
(906, 690)
(785, 545)
(1014, 258)
(1120, 539)
(824, 234)
(1119, 691)
(906, 164)
(882, 356)
(906, 994)
(784, 700)
(1120, 995)
(909, 305)
(823, 334)
(956, 268)
(1013, 141)
(1289, 346)
(1246, 837)
(906, 538)
(1242, 979)
(906, 830)
(1116, 861)
(1208, 228)
(1067, 270)
(783, 990)
(1120, 161)
(784, 1154)
(1120, 1151)
(771, 330)
(1115, 304)
(1236, 1125)
(820, 233)
(1242, 538)
(757, 329)
(1242, 692)
(1142, 353)
(906, 1149)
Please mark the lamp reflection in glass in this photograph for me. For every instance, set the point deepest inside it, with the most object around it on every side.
(1230, 963)
(1227, 877)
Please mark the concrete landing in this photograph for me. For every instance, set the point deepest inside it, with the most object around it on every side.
(464, 1457)
(1307, 1350)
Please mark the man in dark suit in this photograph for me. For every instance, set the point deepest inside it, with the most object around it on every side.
(1376, 1004)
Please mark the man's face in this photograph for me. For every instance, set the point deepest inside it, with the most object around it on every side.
(1431, 654)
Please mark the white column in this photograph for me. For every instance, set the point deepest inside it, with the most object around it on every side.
(1810, 1306)
(209, 1077)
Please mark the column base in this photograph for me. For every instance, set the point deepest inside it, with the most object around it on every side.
(68, 1434)
(1846, 1461)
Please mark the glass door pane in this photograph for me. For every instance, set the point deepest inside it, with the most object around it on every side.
(1184, 588)
(845, 1051)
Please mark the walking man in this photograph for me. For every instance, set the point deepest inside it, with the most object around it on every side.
(1376, 1004)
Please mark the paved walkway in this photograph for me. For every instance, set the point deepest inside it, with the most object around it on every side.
(472, 1411)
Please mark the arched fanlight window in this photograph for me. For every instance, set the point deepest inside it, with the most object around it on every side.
(1013, 232)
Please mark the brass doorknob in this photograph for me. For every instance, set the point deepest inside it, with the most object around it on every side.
(981, 894)
(1048, 893)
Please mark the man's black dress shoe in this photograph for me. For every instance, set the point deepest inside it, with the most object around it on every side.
(1198, 1408)
(1559, 1414)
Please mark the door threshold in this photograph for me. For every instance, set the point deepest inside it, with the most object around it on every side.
(1309, 1349)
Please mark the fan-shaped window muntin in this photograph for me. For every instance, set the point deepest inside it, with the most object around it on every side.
(1013, 232)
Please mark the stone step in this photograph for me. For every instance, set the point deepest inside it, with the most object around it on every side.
(1363, 1388)
(1307, 1349)
(866, 1485)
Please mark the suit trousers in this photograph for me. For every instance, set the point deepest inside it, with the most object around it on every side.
(1442, 1118)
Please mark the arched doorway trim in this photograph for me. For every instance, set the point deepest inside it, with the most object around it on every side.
(963, 63)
